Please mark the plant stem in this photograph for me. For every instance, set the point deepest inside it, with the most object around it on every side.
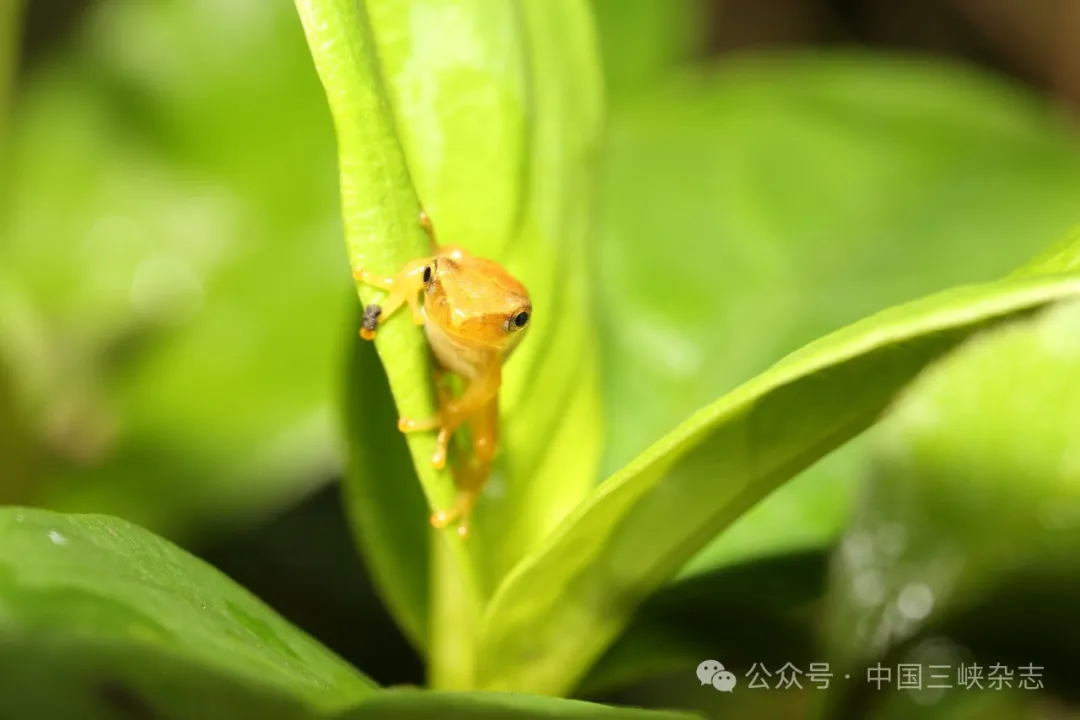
(382, 232)
(454, 619)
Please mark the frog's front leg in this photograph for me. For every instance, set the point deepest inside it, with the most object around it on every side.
(453, 414)
(403, 287)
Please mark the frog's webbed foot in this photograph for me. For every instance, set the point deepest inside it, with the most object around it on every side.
(459, 513)
(470, 479)
(402, 288)
(442, 442)
(370, 323)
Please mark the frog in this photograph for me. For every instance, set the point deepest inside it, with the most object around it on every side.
(475, 315)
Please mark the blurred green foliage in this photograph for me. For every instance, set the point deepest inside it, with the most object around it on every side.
(176, 339)
(966, 527)
(157, 190)
(804, 192)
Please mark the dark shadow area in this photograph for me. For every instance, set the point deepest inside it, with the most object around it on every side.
(304, 564)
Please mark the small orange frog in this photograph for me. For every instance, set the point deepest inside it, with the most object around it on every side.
(474, 314)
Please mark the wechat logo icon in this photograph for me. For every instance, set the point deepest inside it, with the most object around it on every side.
(710, 672)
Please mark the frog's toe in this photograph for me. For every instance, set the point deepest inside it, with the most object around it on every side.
(438, 459)
(370, 322)
(442, 445)
(443, 518)
(408, 425)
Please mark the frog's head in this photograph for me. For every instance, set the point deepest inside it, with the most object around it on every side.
(475, 300)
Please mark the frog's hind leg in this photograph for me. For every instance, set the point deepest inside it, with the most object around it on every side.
(446, 397)
(480, 393)
(446, 429)
(475, 472)
(467, 492)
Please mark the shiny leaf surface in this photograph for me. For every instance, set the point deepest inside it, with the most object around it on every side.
(107, 613)
(566, 602)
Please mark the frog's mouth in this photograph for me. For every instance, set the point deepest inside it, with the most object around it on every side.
(466, 355)
(489, 336)
(459, 354)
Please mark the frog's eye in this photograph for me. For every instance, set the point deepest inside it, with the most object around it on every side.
(429, 272)
(518, 321)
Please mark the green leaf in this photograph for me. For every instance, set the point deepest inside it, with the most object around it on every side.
(497, 107)
(386, 505)
(967, 531)
(758, 612)
(642, 42)
(379, 203)
(421, 705)
(97, 612)
(62, 677)
(1062, 257)
(196, 257)
(795, 194)
(568, 601)
(383, 233)
(752, 207)
(494, 109)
